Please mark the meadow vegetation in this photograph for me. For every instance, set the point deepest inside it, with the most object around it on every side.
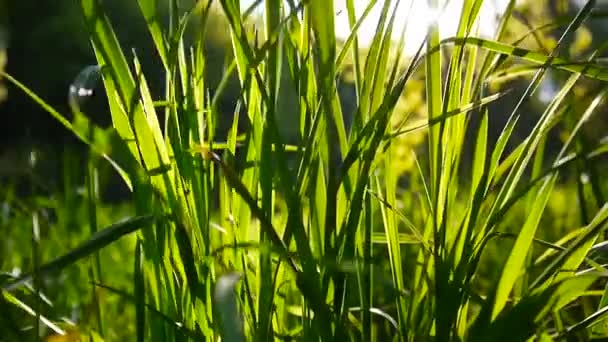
(284, 184)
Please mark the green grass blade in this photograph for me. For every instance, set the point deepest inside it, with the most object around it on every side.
(140, 293)
(8, 297)
(149, 10)
(591, 70)
(101, 239)
(596, 226)
(517, 256)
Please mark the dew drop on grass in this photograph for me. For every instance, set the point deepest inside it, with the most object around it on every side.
(83, 86)
(87, 96)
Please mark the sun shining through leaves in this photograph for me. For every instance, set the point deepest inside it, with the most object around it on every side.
(294, 179)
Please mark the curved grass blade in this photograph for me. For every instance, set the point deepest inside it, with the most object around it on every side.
(99, 240)
(589, 321)
(15, 301)
(597, 225)
(465, 109)
(67, 124)
(589, 69)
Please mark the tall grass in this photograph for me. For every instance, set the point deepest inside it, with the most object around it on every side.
(254, 239)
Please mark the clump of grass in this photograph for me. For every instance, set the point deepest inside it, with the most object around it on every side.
(305, 240)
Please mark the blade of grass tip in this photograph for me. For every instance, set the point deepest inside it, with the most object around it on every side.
(149, 10)
(182, 65)
(140, 292)
(559, 166)
(149, 109)
(353, 36)
(127, 113)
(531, 143)
(106, 44)
(148, 135)
(347, 235)
(101, 239)
(559, 160)
(67, 124)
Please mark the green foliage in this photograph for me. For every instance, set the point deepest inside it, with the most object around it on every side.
(348, 231)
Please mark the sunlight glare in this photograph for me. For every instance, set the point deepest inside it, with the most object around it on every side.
(418, 21)
(416, 14)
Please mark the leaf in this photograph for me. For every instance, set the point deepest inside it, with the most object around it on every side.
(517, 257)
(99, 240)
(588, 69)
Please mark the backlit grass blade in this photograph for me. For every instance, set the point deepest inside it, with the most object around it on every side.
(81, 135)
(519, 250)
(152, 16)
(127, 112)
(515, 263)
(597, 225)
(324, 32)
(591, 70)
(433, 64)
(107, 44)
(530, 310)
(463, 110)
(101, 239)
(352, 37)
(540, 128)
(8, 297)
(238, 186)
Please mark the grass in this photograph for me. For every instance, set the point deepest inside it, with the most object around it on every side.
(260, 240)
